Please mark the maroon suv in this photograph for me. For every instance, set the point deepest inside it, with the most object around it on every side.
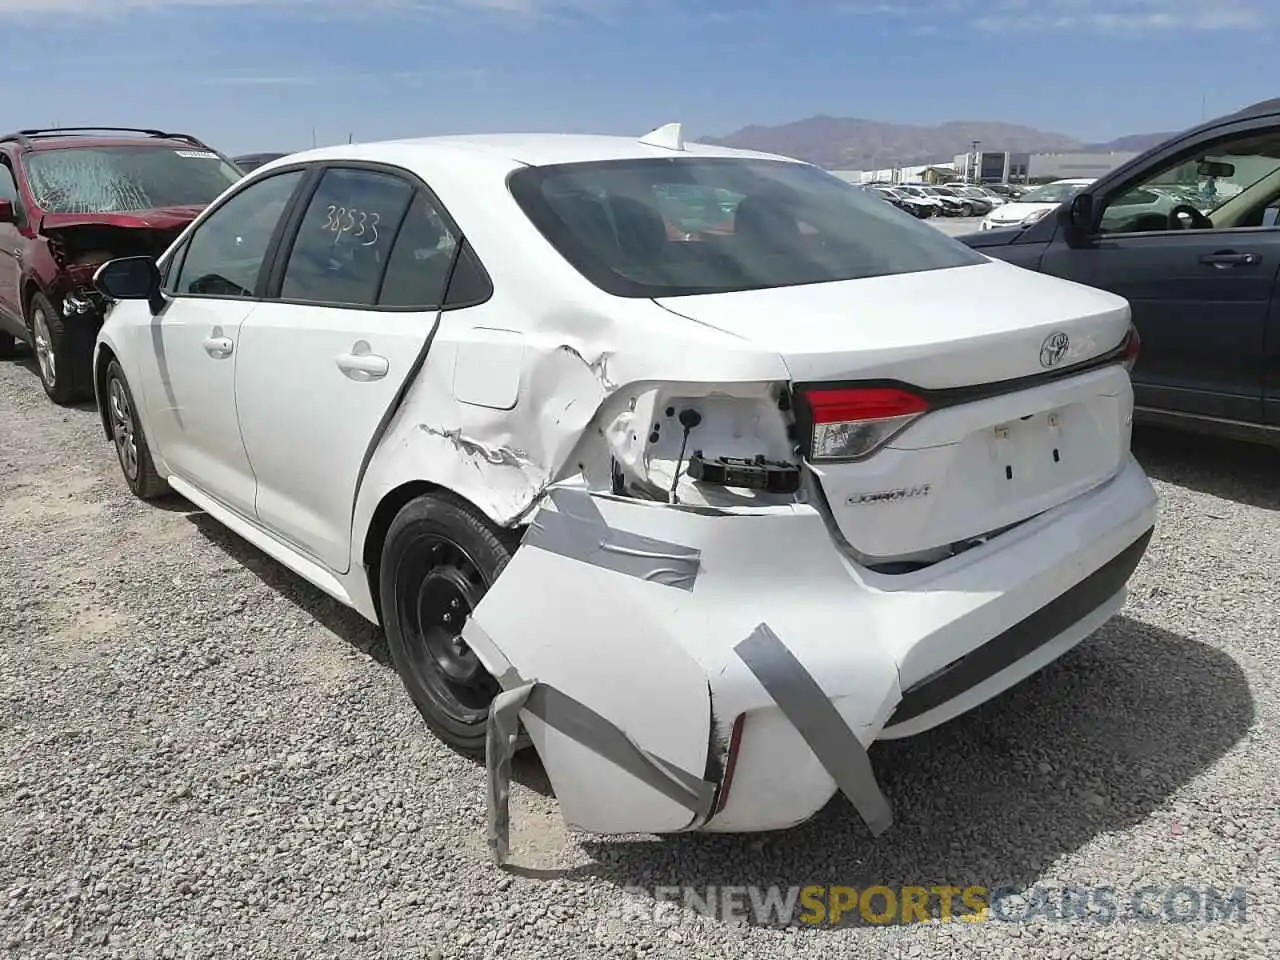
(71, 199)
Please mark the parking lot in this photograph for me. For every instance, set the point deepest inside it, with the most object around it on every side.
(203, 756)
(954, 226)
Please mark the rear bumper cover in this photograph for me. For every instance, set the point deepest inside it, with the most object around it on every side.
(652, 618)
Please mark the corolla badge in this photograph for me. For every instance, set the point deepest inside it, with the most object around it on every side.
(1054, 349)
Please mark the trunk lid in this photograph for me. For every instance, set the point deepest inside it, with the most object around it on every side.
(1012, 430)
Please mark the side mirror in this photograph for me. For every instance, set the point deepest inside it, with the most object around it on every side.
(1081, 211)
(130, 278)
(7, 213)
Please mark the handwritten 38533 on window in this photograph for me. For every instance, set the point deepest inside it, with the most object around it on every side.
(351, 220)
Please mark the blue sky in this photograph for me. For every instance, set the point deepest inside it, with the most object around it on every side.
(260, 74)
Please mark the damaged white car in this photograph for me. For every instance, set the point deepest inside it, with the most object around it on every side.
(701, 468)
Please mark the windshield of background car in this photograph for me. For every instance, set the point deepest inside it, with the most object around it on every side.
(126, 179)
(784, 224)
(1052, 193)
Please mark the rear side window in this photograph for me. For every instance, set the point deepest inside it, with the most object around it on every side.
(693, 225)
(418, 266)
(345, 238)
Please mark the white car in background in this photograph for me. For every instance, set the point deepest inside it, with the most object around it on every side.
(704, 519)
(1033, 205)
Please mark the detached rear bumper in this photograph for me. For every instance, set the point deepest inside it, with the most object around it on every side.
(674, 626)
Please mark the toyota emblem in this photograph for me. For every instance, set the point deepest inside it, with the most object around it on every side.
(1053, 349)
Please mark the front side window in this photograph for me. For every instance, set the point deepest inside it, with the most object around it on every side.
(224, 254)
(345, 239)
(1231, 184)
(126, 179)
(623, 225)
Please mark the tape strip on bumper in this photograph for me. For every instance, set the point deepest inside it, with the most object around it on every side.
(803, 702)
(586, 727)
(577, 530)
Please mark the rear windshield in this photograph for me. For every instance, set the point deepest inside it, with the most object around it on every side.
(126, 179)
(689, 225)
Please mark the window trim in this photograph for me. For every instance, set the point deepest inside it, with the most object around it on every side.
(1176, 154)
(178, 258)
(279, 256)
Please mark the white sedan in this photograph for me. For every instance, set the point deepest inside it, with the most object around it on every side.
(1033, 205)
(704, 515)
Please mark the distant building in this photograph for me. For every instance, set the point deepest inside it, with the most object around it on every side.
(1073, 166)
(992, 166)
(920, 173)
(995, 167)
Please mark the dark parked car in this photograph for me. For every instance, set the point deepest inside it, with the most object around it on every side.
(252, 161)
(917, 208)
(1189, 233)
(70, 200)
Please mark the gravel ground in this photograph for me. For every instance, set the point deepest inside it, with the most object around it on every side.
(205, 757)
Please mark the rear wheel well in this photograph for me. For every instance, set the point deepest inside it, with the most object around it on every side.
(105, 356)
(29, 290)
(386, 511)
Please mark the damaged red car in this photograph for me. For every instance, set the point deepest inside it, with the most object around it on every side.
(71, 199)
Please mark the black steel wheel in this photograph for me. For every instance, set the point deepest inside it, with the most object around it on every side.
(439, 559)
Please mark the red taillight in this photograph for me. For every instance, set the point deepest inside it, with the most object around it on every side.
(853, 422)
(1132, 347)
(730, 762)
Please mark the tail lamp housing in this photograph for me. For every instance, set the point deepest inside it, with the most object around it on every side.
(852, 423)
(1132, 347)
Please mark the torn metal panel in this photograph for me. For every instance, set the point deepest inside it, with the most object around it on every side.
(576, 530)
(575, 379)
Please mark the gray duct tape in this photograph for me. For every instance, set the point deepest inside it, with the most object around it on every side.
(805, 704)
(584, 726)
(577, 530)
(500, 746)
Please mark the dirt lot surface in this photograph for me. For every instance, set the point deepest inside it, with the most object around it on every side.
(202, 756)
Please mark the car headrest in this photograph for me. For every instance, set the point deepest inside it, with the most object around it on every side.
(762, 220)
(641, 229)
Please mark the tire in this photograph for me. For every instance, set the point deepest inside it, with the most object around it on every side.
(439, 559)
(61, 355)
(966, 210)
(130, 442)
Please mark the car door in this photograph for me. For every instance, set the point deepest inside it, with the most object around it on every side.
(188, 370)
(1198, 270)
(359, 294)
(11, 240)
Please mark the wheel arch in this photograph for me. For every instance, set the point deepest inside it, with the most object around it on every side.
(385, 512)
(30, 287)
(101, 361)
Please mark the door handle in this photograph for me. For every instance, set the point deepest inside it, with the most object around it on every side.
(1230, 258)
(361, 365)
(219, 347)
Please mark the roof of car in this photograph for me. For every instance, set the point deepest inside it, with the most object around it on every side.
(531, 149)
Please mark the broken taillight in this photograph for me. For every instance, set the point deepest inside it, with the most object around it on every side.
(850, 423)
(1132, 347)
(730, 762)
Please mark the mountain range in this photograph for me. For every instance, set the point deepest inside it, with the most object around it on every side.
(845, 143)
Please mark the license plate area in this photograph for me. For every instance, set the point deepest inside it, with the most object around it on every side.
(1033, 452)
